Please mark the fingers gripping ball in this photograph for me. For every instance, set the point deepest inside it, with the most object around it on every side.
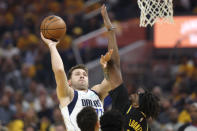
(53, 28)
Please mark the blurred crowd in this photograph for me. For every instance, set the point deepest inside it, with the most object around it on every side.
(27, 87)
(175, 83)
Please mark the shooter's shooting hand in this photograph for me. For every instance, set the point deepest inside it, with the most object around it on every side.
(48, 41)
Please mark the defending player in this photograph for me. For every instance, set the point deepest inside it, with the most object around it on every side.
(142, 106)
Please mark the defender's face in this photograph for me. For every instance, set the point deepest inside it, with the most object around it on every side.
(79, 79)
(135, 99)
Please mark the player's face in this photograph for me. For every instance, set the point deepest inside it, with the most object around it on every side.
(79, 79)
(135, 98)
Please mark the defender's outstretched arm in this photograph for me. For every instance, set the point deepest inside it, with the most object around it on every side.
(114, 63)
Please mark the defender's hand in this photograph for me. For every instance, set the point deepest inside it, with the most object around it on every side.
(105, 16)
(104, 59)
(48, 41)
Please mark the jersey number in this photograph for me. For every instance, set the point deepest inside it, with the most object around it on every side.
(99, 112)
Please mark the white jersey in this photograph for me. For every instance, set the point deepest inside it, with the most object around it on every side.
(81, 99)
(191, 128)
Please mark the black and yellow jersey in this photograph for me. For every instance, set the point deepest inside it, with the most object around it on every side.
(120, 99)
(135, 120)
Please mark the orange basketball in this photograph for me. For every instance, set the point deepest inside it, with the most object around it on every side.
(53, 28)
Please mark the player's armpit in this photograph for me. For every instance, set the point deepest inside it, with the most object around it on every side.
(64, 101)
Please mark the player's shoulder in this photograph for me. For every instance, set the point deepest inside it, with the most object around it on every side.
(117, 89)
(93, 92)
(135, 114)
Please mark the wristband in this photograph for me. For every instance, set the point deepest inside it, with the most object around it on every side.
(111, 28)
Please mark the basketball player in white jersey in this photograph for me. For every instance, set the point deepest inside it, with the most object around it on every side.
(72, 91)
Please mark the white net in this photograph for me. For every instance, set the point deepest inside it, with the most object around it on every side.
(155, 10)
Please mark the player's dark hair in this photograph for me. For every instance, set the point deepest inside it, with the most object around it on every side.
(149, 104)
(87, 119)
(80, 66)
(112, 120)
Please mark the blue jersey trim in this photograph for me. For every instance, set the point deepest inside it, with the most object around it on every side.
(95, 93)
(73, 102)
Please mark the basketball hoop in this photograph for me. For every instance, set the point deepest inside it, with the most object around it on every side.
(155, 11)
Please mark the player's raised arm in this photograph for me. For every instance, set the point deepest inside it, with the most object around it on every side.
(64, 92)
(105, 86)
(114, 64)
